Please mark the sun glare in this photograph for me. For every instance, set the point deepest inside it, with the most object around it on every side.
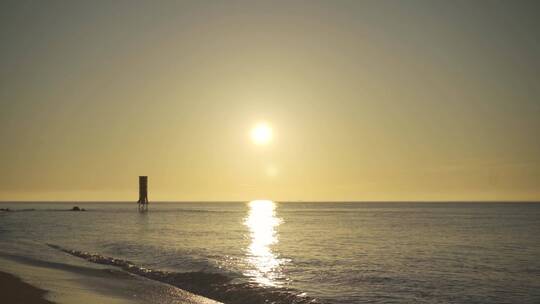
(262, 223)
(261, 134)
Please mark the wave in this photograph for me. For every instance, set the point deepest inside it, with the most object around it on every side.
(215, 286)
(61, 266)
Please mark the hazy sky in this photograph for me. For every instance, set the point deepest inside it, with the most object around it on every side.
(368, 100)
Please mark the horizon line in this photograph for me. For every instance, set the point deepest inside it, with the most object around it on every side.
(278, 201)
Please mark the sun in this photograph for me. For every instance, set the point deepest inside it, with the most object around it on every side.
(261, 134)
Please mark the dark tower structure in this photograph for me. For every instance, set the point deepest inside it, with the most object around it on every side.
(143, 193)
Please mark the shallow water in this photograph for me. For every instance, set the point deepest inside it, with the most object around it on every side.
(299, 252)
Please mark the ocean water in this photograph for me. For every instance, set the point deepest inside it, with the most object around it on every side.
(272, 252)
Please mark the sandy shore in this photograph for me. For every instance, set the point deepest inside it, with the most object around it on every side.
(15, 291)
(66, 283)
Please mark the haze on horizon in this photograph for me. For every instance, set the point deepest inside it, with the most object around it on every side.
(367, 100)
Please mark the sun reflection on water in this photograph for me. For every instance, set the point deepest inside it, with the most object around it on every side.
(262, 223)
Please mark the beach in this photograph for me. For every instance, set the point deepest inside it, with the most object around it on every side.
(262, 251)
(270, 152)
(15, 291)
(70, 282)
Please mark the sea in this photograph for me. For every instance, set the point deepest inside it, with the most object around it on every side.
(277, 252)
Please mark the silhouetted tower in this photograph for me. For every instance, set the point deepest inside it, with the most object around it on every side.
(143, 193)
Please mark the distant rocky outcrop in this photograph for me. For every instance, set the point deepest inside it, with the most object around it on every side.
(76, 208)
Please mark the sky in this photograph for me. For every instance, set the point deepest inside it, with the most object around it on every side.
(366, 100)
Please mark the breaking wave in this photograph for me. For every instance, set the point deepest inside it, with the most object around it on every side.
(211, 285)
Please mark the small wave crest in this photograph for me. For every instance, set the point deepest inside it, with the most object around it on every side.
(211, 285)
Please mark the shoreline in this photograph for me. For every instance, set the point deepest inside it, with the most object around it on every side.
(14, 290)
(34, 281)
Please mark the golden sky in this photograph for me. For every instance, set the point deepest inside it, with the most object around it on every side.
(366, 100)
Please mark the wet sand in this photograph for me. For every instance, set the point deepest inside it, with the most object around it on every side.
(65, 283)
(15, 291)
